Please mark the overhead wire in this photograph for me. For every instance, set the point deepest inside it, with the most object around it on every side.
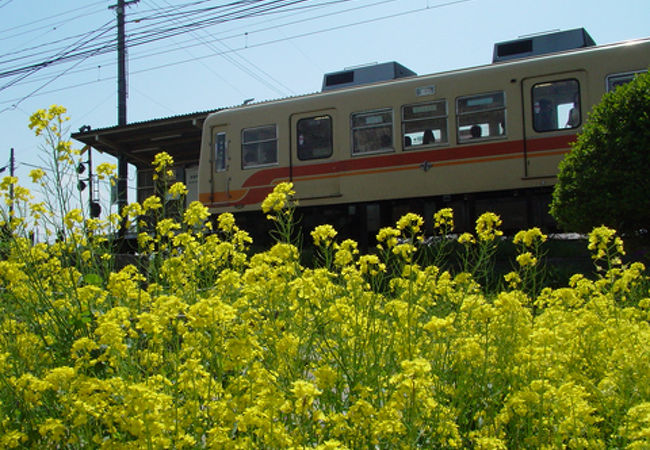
(100, 50)
(79, 44)
(243, 68)
(137, 38)
(284, 90)
(44, 19)
(308, 33)
(42, 86)
(43, 48)
(109, 44)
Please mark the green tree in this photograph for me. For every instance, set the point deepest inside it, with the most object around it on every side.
(605, 180)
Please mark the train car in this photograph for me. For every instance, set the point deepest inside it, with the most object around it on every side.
(476, 139)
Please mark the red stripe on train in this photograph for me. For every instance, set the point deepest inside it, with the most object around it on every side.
(357, 163)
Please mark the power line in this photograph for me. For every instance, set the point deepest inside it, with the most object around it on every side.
(41, 49)
(75, 10)
(331, 2)
(109, 46)
(262, 77)
(306, 34)
(241, 66)
(41, 87)
(2, 5)
(61, 55)
(162, 30)
(68, 53)
(228, 50)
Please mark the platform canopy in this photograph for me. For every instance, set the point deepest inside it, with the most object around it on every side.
(180, 136)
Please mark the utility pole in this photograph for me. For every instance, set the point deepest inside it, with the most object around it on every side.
(12, 171)
(122, 166)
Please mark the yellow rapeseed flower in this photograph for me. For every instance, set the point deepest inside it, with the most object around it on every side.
(323, 235)
(226, 222)
(279, 199)
(444, 220)
(162, 161)
(105, 170)
(601, 239)
(529, 237)
(466, 239)
(388, 235)
(410, 223)
(305, 393)
(177, 190)
(151, 203)
(487, 226)
(195, 214)
(526, 259)
(73, 217)
(36, 175)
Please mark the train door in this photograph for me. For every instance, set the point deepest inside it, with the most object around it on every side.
(244, 162)
(220, 182)
(314, 156)
(552, 116)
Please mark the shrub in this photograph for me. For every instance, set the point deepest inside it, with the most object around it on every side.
(605, 178)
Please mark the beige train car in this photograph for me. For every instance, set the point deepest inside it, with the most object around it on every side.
(487, 137)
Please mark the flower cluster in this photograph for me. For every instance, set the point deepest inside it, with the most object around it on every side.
(200, 344)
(162, 165)
(444, 220)
(605, 245)
(105, 170)
(217, 349)
(487, 226)
(323, 235)
(279, 199)
(530, 238)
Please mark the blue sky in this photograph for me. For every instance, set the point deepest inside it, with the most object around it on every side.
(263, 58)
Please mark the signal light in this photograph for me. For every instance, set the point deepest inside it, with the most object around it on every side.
(81, 185)
(81, 168)
(95, 209)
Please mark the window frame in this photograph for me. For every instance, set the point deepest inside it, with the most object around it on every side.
(331, 138)
(371, 112)
(534, 100)
(502, 108)
(443, 116)
(224, 165)
(259, 141)
(631, 74)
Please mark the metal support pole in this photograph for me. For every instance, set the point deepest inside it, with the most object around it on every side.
(122, 164)
(12, 171)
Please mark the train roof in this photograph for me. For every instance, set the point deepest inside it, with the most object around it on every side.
(178, 134)
(542, 44)
(356, 76)
(505, 64)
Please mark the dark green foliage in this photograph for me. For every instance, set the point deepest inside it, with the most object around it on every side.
(605, 180)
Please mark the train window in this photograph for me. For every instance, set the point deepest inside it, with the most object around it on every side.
(613, 81)
(424, 124)
(481, 116)
(556, 105)
(259, 146)
(220, 152)
(372, 131)
(314, 136)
